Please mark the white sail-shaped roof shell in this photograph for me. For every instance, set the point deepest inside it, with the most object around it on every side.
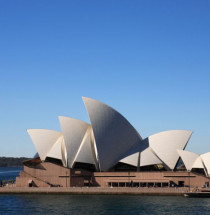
(131, 159)
(144, 158)
(58, 150)
(44, 140)
(147, 157)
(192, 160)
(165, 145)
(198, 163)
(113, 134)
(74, 131)
(189, 159)
(206, 161)
(55, 151)
(85, 152)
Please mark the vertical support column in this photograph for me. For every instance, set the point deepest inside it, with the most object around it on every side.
(66, 178)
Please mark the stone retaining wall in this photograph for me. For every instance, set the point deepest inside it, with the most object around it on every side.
(93, 190)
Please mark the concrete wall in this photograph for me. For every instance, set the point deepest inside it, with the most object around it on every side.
(45, 174)
(103, 179)
(80, 178)
(48, 174)
(25, 181)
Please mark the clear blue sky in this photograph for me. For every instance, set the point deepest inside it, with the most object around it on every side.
(150, 60)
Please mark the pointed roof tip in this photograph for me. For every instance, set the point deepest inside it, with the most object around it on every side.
(84, 98)
(91, 100)
(37, 130)
(185, 151)
(190, 131)
(31, 130)
(59, 117)
(71, 118)
(171, 130)
(87, 100)
(28, 130)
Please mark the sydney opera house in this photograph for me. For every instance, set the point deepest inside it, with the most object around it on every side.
(110, 152)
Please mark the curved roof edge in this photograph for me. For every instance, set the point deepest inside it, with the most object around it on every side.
(43, 139)
(144, 158)
(56, 151)
(84, 154)
(165, 144)
(188, 158)
(114, 135)
(206, 162)
(73, 131)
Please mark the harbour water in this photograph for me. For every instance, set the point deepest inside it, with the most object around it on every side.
(101, 204)
(9, 173)
(98, 204)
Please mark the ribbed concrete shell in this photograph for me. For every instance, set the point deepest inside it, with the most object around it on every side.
(114, 135)
(76, 136)
(206, 161)
(189, 159)
(58, 150)
(44, 140)
(144, 158)
(198, 163)
(85, 152)
(192, 160)
(165, 145)
(131, 159)
(147, 157)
